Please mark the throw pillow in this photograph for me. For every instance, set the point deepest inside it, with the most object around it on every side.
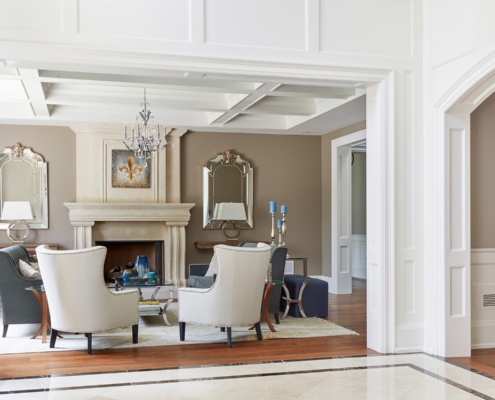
(213, 268)
(29, 270)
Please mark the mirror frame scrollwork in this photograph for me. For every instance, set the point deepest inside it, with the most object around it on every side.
(37, 194)
(227, 159)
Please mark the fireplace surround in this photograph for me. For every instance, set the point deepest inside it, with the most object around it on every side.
(103, 213)
(96, 222)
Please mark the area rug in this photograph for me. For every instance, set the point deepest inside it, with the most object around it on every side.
(154, 332)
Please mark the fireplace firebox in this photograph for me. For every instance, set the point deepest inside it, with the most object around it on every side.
(122, 252)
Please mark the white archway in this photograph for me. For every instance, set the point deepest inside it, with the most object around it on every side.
(448, 218)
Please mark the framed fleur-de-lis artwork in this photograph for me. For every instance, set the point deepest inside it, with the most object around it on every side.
(129, 171)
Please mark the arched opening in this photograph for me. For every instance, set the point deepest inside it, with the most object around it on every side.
(448, 226)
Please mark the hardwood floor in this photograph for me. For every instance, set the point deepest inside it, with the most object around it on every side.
(346, 310)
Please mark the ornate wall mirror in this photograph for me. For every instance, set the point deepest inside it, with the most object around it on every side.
(23, 177)
(227, 178)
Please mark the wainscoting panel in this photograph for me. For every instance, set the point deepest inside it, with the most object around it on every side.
(358, 256)
(231, 23)
(165, 20)
(482, 294)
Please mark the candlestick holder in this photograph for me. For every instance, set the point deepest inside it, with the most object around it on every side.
(273, 229)
(280, 236)
(284, 230)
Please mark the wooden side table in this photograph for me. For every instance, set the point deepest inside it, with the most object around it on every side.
(266, 299)
(40, 294)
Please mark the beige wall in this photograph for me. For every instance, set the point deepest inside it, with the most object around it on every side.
(482, 175)
(286, 169)
(57, 146)
(292, 170)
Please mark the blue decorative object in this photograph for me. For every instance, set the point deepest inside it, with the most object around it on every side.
(128, 273)
(142, 265)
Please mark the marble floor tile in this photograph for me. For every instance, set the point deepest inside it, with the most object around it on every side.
(380, 377)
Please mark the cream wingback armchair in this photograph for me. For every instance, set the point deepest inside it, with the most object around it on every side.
(235, 297)
(78, 299)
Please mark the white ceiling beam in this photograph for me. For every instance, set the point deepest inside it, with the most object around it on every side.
(247, 102)
(35, 92)
(129, 105)
(146, 81)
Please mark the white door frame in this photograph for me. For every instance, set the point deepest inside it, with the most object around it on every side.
(341, 280)
(380, 216)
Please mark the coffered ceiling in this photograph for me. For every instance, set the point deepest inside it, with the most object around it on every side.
(71, 95)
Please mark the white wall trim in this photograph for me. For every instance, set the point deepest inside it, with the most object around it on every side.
(358, 258)
(482, 283)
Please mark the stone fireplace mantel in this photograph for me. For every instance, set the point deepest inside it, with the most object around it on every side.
(91, 212)
(135, 221)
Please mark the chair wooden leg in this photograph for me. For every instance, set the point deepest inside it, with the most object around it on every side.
(257, 326)
(5, 327)
(277, 318)
(229, 337)
(53, 338)
(182, 331)
(135, 333)
(90, 345)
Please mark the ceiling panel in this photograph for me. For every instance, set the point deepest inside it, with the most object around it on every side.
(180, 99)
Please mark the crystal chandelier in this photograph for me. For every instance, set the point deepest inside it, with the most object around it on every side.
(144, 137)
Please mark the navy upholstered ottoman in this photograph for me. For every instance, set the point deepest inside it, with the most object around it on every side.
(314, 299)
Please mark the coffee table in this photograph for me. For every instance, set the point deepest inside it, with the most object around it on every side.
(149, 306)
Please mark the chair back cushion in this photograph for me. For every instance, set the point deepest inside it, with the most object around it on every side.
(19, 306)
(77, 295)
(235, 297)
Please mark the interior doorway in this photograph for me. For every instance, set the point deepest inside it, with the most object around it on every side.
(342, 227)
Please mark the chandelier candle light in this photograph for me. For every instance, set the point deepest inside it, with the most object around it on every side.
(144, 137)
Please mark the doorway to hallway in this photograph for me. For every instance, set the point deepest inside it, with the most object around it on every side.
(344, 150)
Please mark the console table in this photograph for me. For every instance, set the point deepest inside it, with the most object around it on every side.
(31, 247)
(288, 300)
